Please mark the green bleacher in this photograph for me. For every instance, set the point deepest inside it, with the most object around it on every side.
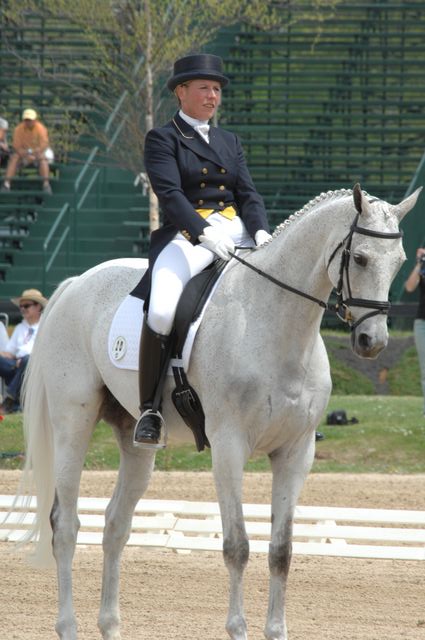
(44, 239)
(318, 106)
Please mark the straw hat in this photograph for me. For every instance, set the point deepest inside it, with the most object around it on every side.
(30, 294)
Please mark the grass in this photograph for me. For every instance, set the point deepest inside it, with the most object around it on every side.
(389, 438)
(390, 435)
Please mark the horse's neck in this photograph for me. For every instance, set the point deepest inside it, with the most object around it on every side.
(296, 257)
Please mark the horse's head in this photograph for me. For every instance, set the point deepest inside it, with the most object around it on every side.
(371, 255)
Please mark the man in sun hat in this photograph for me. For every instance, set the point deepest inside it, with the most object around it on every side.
(14, 359)
(30, 143)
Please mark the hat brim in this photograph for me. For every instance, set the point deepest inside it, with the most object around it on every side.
(18, 301)
(174, 81)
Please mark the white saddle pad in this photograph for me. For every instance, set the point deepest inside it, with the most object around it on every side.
(125, 331)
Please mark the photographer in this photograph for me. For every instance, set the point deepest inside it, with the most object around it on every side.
(417, 277)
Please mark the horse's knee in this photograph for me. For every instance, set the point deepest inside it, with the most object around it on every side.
(280, 555)
(236, 551)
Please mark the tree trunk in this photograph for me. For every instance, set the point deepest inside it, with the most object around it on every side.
(153, 200)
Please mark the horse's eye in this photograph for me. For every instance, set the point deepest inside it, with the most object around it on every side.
(360, 259)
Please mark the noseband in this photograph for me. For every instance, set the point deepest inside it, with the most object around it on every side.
(341, 307)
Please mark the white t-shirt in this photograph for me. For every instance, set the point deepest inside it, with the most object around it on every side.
(22, 339)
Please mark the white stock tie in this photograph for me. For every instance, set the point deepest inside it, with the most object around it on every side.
(203, 130)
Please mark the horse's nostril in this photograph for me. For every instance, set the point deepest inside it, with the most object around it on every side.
(364, 341)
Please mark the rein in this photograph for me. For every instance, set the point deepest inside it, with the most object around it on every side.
(341, 308)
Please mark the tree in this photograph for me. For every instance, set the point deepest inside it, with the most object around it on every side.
(135, 43)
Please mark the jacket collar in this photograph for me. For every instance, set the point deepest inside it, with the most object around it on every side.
(214, 151)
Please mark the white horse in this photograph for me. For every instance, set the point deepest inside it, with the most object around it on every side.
(258, 364)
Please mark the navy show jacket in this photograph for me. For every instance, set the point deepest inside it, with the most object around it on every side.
(187, 173)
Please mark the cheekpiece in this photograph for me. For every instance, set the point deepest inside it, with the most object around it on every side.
(202, 66)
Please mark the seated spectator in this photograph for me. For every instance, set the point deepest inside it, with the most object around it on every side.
(30, 143)
(14, 359)
(4, 147)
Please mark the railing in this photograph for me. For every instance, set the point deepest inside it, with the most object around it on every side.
(64, 215)
(185, 526)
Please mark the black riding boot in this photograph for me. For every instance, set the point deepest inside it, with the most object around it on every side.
(153, 357)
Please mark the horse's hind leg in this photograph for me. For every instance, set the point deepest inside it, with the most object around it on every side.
(289, 473)
(136, 466)
(73, 429)
(228, 464)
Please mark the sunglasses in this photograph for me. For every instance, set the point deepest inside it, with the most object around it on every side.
(27, 305)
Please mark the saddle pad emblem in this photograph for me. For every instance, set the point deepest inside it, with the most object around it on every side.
(119, 348)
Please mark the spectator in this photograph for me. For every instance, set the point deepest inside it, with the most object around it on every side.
(14, 359)
(417, 277)
(30, 144)
(4, 147)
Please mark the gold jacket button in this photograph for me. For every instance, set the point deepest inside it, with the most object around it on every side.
(202, 185)
(222, 170)
(221, 203)
(204, 170)
(222, 187)
(200, 202)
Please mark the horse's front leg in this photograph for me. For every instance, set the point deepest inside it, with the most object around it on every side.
(136, 467)
(289, 473)
(228, 464)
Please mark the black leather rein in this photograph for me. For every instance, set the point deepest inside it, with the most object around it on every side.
(341, 307)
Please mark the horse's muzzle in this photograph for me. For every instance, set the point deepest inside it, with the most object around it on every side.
(366, 346)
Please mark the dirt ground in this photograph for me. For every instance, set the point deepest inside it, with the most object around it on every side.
(169, 596)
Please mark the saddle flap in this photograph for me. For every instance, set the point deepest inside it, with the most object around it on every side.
(192, 300)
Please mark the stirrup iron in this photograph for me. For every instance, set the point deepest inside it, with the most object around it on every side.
(163, 428)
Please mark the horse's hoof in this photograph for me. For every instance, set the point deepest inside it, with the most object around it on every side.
(236, 628)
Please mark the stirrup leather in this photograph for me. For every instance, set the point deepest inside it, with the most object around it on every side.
(162, 428)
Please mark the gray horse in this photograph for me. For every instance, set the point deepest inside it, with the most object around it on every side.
(258, 364)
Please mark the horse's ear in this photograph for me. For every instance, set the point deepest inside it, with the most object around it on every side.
(360, 201)
(357, 196)
(406, 205)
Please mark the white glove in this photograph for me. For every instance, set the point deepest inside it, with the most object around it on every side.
(261, 237)
(214, 239)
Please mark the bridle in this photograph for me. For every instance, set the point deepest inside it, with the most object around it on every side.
(342, 306)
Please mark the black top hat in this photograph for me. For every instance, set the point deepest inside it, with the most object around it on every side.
(200, 66)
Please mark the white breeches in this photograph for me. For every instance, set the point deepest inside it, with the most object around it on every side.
(177, 263)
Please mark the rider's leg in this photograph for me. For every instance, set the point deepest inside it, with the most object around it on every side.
(174, 267)
(153, 356)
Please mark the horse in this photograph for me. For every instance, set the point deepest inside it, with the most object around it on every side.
(258, 364)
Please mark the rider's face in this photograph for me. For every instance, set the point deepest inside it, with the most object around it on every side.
(199, 98)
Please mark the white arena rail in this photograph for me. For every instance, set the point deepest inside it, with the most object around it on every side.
(185, 526)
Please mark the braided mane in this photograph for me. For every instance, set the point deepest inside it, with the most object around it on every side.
(310, 205)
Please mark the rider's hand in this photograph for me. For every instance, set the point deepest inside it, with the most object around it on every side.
(214, 239)
(261, 237)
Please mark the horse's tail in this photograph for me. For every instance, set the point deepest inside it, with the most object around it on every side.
(38, 473)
